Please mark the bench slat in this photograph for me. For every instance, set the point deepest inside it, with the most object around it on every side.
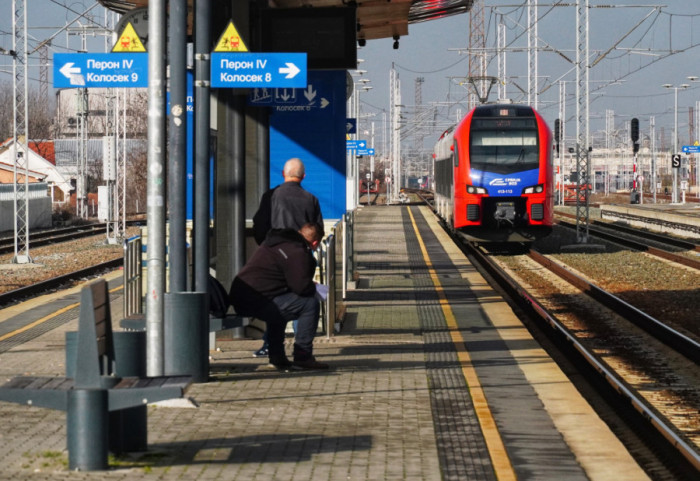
(35, 382)
(158, 381)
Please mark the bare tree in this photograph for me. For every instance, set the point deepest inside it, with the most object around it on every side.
(6, 117)
(40, 114)
(136, 181)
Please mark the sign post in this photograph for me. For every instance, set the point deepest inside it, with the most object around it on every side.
(675, 165)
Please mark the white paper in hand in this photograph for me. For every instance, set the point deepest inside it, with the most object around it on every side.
(322, 291)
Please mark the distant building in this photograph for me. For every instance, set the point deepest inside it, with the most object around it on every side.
(39, 168)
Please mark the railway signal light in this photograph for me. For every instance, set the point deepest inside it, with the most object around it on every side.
(634, 129)
(634, 133)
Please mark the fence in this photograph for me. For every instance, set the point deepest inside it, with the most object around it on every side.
(133, 276)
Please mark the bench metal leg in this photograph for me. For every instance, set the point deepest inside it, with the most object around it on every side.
(87, 429)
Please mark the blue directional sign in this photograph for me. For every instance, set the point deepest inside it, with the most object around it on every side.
(239, 69)
(355, 144)
(691, 149)
(364, 152)
(85, 70)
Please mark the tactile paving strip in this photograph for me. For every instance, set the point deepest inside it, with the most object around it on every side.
(461, 447)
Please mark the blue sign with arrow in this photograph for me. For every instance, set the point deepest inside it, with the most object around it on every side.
(110, 70)
(238, 69)
(355, 144)
(691, 149)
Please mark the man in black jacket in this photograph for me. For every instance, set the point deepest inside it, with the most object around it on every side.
(276, 285)
(287, 206)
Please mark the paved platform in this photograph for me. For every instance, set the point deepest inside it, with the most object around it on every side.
(679, 219)
(432, 378)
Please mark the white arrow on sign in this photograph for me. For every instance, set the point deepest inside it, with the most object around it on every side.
(72, 73)
(291, 70)
(324, 103)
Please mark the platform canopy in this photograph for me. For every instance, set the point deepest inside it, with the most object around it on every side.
(375, 18)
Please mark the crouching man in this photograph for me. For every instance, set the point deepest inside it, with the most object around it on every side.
(276, 285)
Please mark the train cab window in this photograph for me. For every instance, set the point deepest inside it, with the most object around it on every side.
(504, 145)
(455, 155)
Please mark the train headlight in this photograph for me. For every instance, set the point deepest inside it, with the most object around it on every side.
(475, 190)
(534, 189)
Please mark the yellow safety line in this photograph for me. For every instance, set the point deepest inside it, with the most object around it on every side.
(499, 457)
(45, 318)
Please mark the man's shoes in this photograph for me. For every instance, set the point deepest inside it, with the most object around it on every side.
(262, 352)
(309, 363)
(281, 363)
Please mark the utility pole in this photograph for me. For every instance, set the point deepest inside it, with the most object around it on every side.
(532, 96)
(582, 124)
(562, 138)
(652, 148)
(395, 137)
(477, 46)
(609, 128)
(20, 136)
(502, 95)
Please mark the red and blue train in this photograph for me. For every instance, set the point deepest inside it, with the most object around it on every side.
(493, 175)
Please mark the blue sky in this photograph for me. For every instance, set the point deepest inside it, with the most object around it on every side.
(430, 52)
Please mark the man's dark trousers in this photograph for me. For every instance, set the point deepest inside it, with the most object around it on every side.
(306, 311)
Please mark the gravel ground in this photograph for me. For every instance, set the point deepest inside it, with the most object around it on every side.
(58, 259)
(663, 289)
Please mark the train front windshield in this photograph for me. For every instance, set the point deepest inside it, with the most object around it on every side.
(503, 145)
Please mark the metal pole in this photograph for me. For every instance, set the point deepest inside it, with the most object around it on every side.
(652, 135)
(674, 194)
(155, 210)
(201, 169)
(238, 181)
(177, 160)
(263, 141)
(583, 127)
(562, 134)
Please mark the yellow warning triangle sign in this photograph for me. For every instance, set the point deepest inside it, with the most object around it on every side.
(129, 41)
(230, 41)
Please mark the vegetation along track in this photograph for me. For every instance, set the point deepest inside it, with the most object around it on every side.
(649, 375)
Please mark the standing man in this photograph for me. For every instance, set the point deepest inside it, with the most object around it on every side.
(287, 206)
(276, 285)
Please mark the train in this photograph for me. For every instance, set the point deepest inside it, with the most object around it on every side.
(493, 175)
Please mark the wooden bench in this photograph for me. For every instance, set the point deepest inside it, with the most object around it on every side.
(94, 392)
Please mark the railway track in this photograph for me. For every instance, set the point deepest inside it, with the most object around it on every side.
(650, 373)
(58, 263)
(54, 236)
(57, 282)
(672, 248)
